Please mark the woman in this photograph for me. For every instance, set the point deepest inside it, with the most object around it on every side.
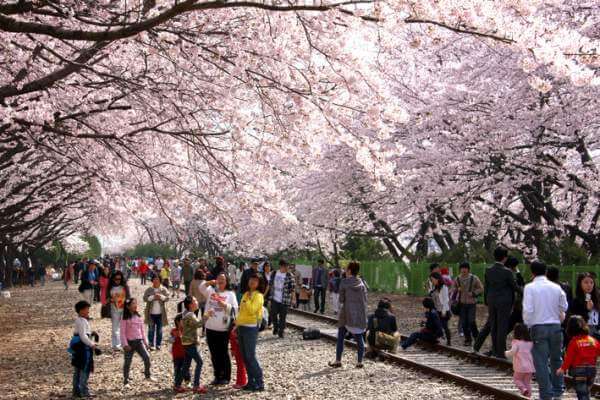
(68, 274)
(441, 299)
(199, 279)
(118, 292)
(221, 305)
(353, 314)
(248, 319)
(155, 313)
(103, 281)
(586, 303)
(383, 329)
(266, 288)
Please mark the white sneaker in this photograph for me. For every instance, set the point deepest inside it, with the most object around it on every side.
(151, 379)
(126, 386)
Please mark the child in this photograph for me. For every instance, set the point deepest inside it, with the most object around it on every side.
(334, 290)
(432, 326)
(522, 360)
(241, 376)
(189, 340)
(81, 349)
(304, 298)
(581, 356)
(178, 353)
(133, 340)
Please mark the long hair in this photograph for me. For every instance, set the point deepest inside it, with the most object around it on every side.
(126, 313)
(440, 280)
(579, 295)
(112, 284)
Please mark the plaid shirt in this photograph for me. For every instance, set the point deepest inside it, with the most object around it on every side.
(288, 288)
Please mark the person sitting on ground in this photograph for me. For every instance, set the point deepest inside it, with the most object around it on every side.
(432, 326)
(382, 329)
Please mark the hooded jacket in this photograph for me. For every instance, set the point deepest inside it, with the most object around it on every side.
(353, 296)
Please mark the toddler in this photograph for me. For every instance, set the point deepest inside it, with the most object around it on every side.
(520, 352)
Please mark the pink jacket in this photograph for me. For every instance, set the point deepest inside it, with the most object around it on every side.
(521, 354)
(131, 329)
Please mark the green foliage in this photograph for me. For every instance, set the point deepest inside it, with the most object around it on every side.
(152, 250)
(572, 254)
(364, 248)
(95, 248)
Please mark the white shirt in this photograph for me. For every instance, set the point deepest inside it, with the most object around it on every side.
(231, 271)
(221, 318)
(155, 310)
(278, 286)
(544, 302)
(159, 263)
(82, 328)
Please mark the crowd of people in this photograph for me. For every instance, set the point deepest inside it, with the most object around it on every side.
(547, 321)
(230, 304)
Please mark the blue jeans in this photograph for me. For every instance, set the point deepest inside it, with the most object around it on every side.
(191, 353)
(247, 341)
(80, 382)
(339, 349)
(416, 336)
(155, 328)
(547, 358)
(584, 377)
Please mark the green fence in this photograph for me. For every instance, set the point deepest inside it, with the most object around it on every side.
(388, 276)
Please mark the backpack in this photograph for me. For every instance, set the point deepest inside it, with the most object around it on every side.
(311, 334)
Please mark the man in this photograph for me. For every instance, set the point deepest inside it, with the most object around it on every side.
(283, 287)
(297, 283)
(499, 296)
(319, 286)
(544, 307)
(187, 273)
(160, 263)
(469, 287)
(253, 270)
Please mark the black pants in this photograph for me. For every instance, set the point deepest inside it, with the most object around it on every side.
(468, 319)
(187, 285)
(278, 315)
(499, 315)
(218, 343)
(319, 294)
(483, 334)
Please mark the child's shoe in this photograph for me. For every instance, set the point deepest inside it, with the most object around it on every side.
(179, 389)
(200, 389)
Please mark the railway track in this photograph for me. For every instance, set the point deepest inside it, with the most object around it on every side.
(486, 375)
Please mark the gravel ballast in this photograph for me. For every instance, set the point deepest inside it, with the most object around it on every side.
(36, 325)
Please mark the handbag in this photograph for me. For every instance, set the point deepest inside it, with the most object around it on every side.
(311, 334)
(105, 311)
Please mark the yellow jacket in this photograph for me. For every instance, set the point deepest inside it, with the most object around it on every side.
(251, 309)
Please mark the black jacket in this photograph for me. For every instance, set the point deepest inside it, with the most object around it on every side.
(382, 320)
(433, 324)
(500, 285)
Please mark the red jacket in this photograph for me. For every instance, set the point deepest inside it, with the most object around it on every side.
(178, 351)
(582, 350)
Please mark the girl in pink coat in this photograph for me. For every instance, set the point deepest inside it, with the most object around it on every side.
(522, 360)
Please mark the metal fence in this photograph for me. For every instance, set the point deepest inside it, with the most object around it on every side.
(393, 277)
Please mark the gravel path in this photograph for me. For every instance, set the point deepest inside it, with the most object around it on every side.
(36, 325)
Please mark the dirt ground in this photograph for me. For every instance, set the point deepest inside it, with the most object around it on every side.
(36, 325)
